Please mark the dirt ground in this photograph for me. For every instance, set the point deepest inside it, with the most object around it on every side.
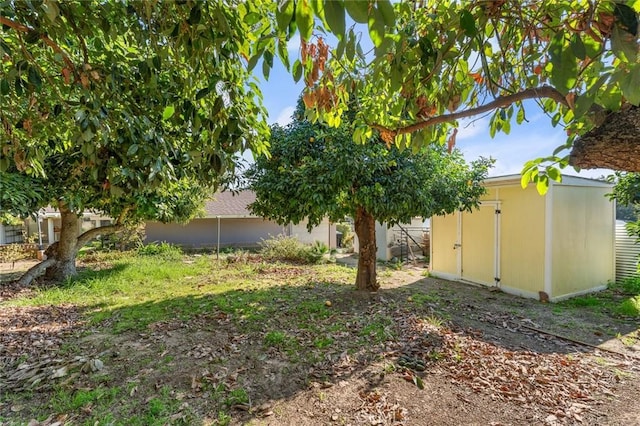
(495, 359)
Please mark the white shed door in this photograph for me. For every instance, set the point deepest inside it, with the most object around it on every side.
(479, 245)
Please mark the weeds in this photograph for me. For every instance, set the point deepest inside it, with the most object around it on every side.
(290, 249)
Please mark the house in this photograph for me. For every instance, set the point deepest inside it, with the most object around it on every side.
(401, 241)
(561, 244)
(228, 222)
(50, 222)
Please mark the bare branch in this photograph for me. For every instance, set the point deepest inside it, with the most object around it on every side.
(500, 102)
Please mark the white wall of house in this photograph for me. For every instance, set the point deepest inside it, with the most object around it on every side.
(325, 232)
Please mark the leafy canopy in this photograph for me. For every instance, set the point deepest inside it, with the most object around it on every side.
(445, 60)
(127, 106)
(316, 171)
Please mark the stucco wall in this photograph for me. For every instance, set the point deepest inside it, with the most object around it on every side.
(245, 232)
(583, 239)
(325, 232)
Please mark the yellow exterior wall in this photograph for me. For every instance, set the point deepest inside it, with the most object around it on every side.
(444, 231)
(583, 239)
(478, 245)
(522, 239)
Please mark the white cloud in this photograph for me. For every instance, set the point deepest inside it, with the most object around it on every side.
(284, 117)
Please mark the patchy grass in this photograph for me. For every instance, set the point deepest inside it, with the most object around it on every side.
(195, 340)
(619, 299)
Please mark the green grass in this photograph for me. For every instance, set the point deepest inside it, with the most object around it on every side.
(620, 299)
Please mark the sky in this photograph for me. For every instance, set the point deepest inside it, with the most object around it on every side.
(527, 141)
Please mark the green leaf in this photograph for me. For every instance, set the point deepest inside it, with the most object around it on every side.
(468, 23)
(283, 53)
(195, 15)
(284, 14)
(624, 45)
(630, 84)
(542, 184)
(32, 36)
(358, 10)
(4, 87)
(525, 179)
(253, 61)
(297, 70)
(565, 66)
(577, 47)
(376, 27)
(388, 14)
(202, 93)
(335, 16)
(304, 19)
(132, 150)
(418, 382)
(168, 112)
(554, 173)
(626, 17)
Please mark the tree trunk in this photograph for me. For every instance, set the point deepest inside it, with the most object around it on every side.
(61, 256)
(365, 226)
(615, 144)
(65, 250)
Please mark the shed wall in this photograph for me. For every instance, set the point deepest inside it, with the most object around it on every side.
(583, 239)
(522, 240)
(444, 236)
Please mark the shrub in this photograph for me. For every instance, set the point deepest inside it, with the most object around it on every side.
(162, 249)
(289, 249)
(630, 307)
(631, 285)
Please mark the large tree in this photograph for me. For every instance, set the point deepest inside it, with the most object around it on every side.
(316, 172)
(134, 108)
(447, 60)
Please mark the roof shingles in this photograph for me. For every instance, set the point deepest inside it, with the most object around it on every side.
(228, 204)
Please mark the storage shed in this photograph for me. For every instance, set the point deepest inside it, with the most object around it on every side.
(561, 243)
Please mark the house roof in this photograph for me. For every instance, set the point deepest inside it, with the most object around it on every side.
(228, 204)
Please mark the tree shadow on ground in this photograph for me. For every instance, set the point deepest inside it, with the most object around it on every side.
(237, 350)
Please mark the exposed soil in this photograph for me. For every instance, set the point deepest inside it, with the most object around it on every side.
(495, 360)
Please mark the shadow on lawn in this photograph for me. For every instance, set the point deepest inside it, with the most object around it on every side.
(274, 343)
(249, 346)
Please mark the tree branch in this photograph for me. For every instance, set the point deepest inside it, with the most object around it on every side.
(89, 235)
(501, 101)
(52, 44)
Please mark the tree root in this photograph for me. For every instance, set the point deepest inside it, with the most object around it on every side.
(35, 271)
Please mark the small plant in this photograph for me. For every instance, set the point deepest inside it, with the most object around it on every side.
(584, 301)
(290, 249)
(162, 249)
(434, 321)
(629, 307)
(276, 339)
(236, 397)
(630, 285)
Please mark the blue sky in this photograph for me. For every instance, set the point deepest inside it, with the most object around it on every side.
(527, 141)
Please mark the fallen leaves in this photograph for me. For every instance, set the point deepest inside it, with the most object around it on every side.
(564, 385)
